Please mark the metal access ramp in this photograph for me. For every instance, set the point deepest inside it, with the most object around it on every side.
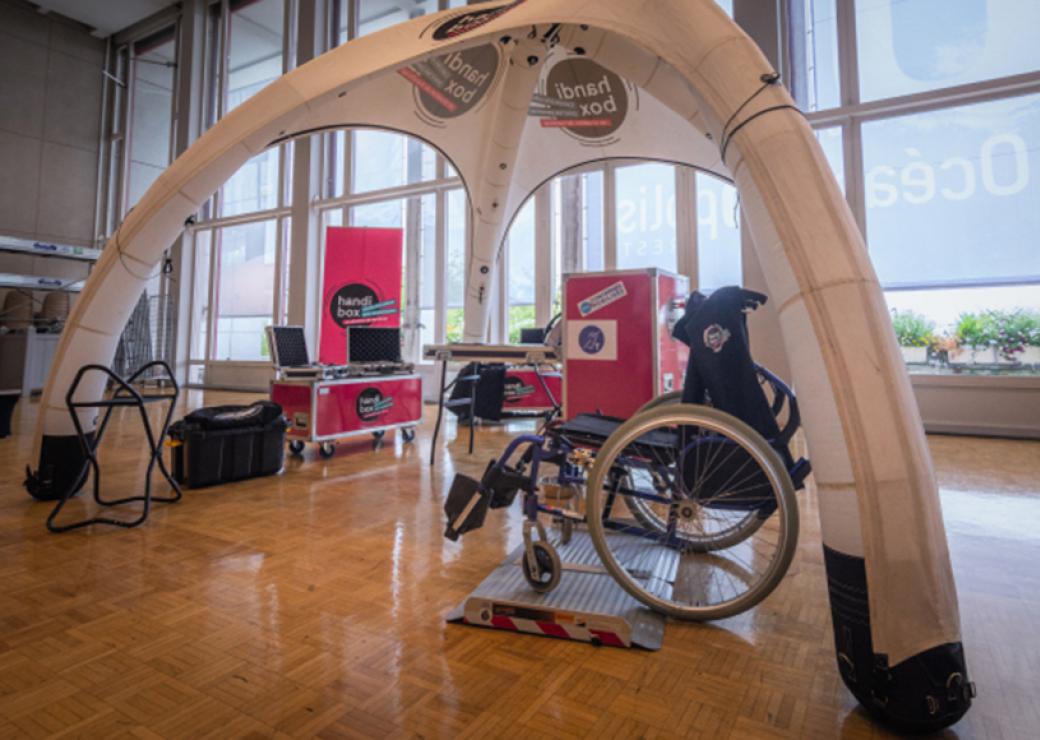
(588, 604)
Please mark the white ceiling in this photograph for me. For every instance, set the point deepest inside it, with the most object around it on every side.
(105, 16)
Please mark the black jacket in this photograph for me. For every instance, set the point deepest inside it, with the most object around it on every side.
(720, 371)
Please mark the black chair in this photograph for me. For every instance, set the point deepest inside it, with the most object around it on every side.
(470, 375)
(124, 396)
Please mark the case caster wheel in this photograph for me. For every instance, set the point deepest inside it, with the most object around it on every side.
(296, 446)
(326, 449)
(549, 568)
(377, 436)
(408, 434)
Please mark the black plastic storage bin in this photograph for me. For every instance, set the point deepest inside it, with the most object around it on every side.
(228, 443)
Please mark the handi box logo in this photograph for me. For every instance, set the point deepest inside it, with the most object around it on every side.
(584, 98)
(451, 85)
(371, 404)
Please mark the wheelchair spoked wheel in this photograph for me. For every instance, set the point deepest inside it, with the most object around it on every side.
(718, 520)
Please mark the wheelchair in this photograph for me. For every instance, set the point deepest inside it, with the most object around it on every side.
(689, 509)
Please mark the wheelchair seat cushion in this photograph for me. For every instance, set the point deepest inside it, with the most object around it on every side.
(593, 430)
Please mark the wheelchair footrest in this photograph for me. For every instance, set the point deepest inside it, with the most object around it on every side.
(503, 483)
(466, 506)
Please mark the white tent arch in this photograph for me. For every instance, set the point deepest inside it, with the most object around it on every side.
(516, 104)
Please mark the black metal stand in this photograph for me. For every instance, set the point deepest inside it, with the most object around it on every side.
(125, 396)
(442, 404)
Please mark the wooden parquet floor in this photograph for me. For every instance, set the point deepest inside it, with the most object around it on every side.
(313, 603)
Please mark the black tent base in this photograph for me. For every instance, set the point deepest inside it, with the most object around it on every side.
(925, 693)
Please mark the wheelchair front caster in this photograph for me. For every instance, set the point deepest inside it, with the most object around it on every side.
(408, 434)
(566, 531)
(326, 449)
(296, 446)
(549, 568)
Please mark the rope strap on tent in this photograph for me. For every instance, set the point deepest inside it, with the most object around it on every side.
(768, 79)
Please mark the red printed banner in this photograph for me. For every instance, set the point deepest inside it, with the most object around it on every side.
(362, 285)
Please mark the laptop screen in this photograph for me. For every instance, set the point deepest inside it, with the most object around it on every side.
(290, 346)
(368, 344)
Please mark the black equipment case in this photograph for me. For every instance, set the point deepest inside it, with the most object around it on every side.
(228, 443)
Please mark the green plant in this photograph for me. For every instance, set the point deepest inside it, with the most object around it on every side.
(1015, 330)
(520, 317)
(974, 330)
(912, 329)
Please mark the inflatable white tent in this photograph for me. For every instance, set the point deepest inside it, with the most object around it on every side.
(516, 92)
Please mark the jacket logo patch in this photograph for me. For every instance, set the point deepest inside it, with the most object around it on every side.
(715, 338)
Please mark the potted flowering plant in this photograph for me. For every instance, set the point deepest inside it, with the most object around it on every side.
(976, 334)
(915, 334)
(1018, 336)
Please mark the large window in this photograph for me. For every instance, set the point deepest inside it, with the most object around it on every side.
(910, 47)
(241, 260)
(953, 195)
(254, 60)
(944, 117)
(521, 278)
(814, 36)
(151, 112)
(718, 234)
(244, 290)
(455, 263)
(646, 217)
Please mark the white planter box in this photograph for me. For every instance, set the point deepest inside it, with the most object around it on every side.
(1030, 356)
(914, 355)
(982, 355)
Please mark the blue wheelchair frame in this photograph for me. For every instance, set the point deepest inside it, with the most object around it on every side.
(553, 447)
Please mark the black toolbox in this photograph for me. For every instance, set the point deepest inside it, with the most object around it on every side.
(220, 444)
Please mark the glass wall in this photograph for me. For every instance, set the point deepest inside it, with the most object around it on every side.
(151, 111)
(254, 60)
(943, 113)
(646, 216)
(718, 234)
(520, 273)
(241, 260)
(245, 270)
(913, 47)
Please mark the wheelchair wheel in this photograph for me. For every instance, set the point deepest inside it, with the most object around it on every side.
(665, 399)
(718, 520)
